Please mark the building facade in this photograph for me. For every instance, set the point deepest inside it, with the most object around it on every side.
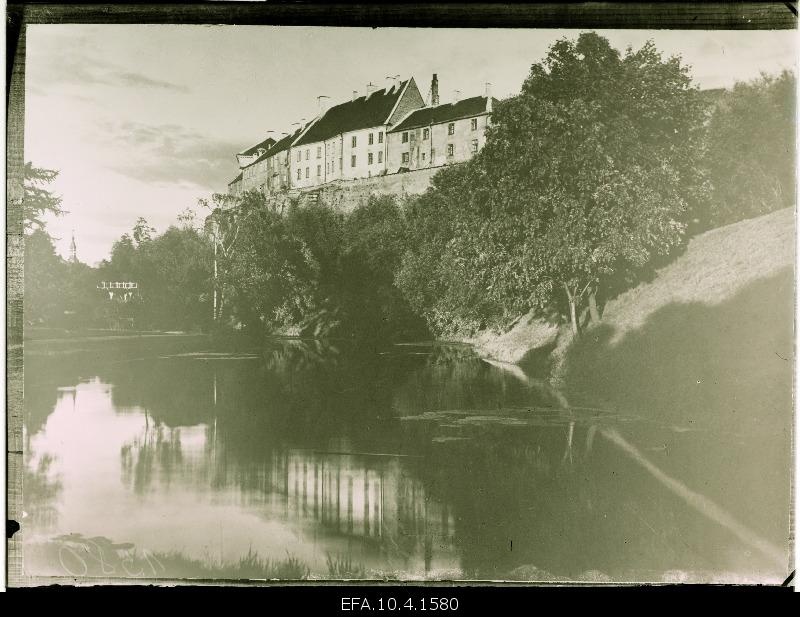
(348, 141)
(235, 185)
(439, 135)
(253, 168)
(383, 132)
(278, 165)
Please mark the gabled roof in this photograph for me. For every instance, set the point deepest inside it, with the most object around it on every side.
(362, 113)
(266, 144)
(448, 112)
(235, 180)
(282, 144)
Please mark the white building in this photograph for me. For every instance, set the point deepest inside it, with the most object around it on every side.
(348, 141)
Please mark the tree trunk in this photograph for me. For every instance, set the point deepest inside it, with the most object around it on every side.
(573, 313)
(594, 314)
(573, 318)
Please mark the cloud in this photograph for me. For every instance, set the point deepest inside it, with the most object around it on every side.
(78, 67)
(170, 154)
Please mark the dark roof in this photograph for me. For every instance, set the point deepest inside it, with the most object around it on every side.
(266, 144)
(443, 113)
(235, 180)
(282, 144)
(362, 113)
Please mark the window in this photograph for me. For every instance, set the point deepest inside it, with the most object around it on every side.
(319, 152)
(308, 152)
(423, 156)
(369, 156)
(405, 137)
(353, 159)
(449, 149)
(380, 156)
(380, 137)
(370, 139)
(319, 170)
(307, 172)
(353, 141)
(473, 124)
(299, 172)
(405, 157)
(426, 133)
(451, 128)
(299, 156)
(474, 146)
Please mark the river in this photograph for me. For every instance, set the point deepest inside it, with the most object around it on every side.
(172, 457)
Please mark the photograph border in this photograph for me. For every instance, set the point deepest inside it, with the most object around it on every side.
(606, 15)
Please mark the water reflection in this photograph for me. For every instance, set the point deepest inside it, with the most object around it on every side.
(310, 460)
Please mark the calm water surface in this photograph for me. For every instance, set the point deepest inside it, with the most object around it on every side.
(169, 457)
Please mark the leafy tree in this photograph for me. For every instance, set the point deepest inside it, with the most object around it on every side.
(173, 271)
(751, 150)
(590, 171)
(142, 231)
(39, 201)
(373, 242)
(43, 276)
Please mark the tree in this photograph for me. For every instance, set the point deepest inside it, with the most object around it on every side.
(142, 231)
(173, 271)
(590, 171)
(43, 276)
(39, 201)
(751, 150)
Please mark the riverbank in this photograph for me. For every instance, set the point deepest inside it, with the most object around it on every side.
(716, 267)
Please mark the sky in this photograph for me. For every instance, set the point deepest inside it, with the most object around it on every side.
(143, 120)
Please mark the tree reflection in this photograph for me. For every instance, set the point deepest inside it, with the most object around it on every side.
(156, 451)
(41, 492)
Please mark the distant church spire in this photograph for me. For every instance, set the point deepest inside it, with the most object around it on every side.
(73, 251)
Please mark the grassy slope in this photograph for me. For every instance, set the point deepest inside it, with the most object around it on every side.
(713, 330)
(707, 348)
(716, 266)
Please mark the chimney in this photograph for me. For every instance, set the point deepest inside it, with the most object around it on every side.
(488, 97)
(393, 82)
(456, 96)
(434, 90)
(355, 95)
(322, 104)
(370, 88)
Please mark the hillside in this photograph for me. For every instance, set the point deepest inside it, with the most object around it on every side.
(717, 265)
(714, 268)
(709, 340)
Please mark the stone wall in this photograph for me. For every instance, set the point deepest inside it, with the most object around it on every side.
(346, 195)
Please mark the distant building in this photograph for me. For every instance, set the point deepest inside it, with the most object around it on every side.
(382, 132)
(440, 134)
(277, 160)
(235, 185)
(348, 141)
(254, 165)
(73, 250)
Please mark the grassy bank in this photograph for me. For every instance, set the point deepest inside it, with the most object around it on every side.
(730, 294)
(712, 331)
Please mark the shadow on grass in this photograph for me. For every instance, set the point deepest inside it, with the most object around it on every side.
(722, 373)
(728, 365)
